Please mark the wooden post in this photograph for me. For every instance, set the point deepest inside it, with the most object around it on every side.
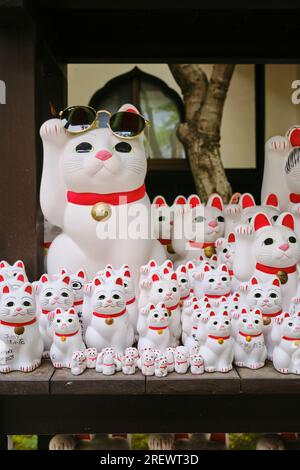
(33, 80)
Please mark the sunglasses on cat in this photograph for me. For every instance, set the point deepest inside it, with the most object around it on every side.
(123, 124)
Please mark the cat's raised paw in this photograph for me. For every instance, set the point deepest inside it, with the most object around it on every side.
(277, 144)
(244, 231)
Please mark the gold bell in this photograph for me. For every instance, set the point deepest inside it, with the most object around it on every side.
(101, 211)
(63, 338)
(169, 312)
(209, 251)
(220, 340)
(297, 343)
(159, 332)
(19, 330)
(109, 321)
(282, 276)
(248, 339)
(266, 321)
(170, 249)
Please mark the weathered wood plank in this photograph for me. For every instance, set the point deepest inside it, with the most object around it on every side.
(95, 383)
(189, 384)
(31, 383)
(267, 380)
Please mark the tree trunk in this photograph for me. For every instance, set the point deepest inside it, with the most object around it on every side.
(200, 133)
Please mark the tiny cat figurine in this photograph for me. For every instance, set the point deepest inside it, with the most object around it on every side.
(162, 220)
(212, 283)
(153, 327)
(78, 280)
(21, 345)
(184, 284)
(226, 252)
(161, 366)
(111, 356)
(148, 363)
(270, 207)
(217, 350)
(249, 347)
(131, 301)
(50, 295)
(67, 337)
(133, 352)
(265, 250)
(78, 363)
(12, 270)
(202, 224)
(266, 296)
(286, 355)
(195, 338)
(108, 363)
(169, 353)
(164, 288)
(91, 358)
(92, 171)
(129, 365)
(109, 324)
(181, 360)
(197, 364)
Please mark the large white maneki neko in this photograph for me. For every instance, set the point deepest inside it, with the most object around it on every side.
(93, 176)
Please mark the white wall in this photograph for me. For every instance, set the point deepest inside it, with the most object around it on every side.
(238, 127)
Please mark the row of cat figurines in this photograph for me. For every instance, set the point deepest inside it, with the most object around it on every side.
(168, 307)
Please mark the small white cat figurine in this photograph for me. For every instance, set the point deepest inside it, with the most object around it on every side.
(286, 355)
(67, 337)
(161, 366)
(226, 252)
(181, 360)
(91, 358)
(12, 270)
(78, 363)
(217, 350)
(212, 283)
(249, 347)
(169, 353)
(21, 345)
(197, 364)
(109, 324)
(129, 365)
(148, 363)
(153, 327)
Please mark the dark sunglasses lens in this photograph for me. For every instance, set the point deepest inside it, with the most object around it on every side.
(126, 124)
(77, 118)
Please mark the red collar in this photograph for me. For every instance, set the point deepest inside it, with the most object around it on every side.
(66, 335)
(200, 245)
(78, 302)
(130, 301)
(109, 315)
(217, 296)
(186, 297)
(6, 323)
(148, 365)
(290, 339)
(251, 336)
(295, 198)
(270, 315)
(172, 308)
(108, 365)
(45, 312)
(157, 327)
(181, 362)
(272, 270)
(164, 241)
(115, 199)
(218, 337)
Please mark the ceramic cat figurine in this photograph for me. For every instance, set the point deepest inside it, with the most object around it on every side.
(161, 366)
(217, 350)
(265, 250)
(269, 207)
(286, 355)
(78, 280)
(110, 359)
(266, 296)
(67, 337)
(109, 324)
(197, 332)
(162, 219)
(170, 359)
(292, 179)
(226, 252)
(132, 352)
(129, 365)
(181, 360)
(212, 283)
(78, 363)
(232, 213)
(148, 363)
(91, 358)
(164, 288)
(249, 347)
(21, 345)
(12, 270)
(153, 327)
(184, 284)
(95, 173)
(197, 364)
(196, 227)
(50, 295)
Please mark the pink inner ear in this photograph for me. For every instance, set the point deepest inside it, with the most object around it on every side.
(1, 278)
(152, 264)
(174, 277)
(119, 281)
(286, 315)
(190, 266)
(212, 314)
(217, 202)
(244, 310)
(206, 268)
(194, 201)
(215, 258)
(163, 306)
(28, 289)
(58, 311)
(257, 312)
(97, 282)
(183, 269)
(204, 300)
(208, 306)
(159, 201)
(62, 271)
(272, 200)
(231, 238)
(66, 280)
(44, 278)
(127, 274)
(195, 307)
(180, 200)
(5, 290)
(108, 274)
(260, 221)
(131, 110)
(166, 271)
(288, 221)
(254, 281)
(247, 201)
(20, 264)
(20, 277)
(225, 313)
(81, 274)
(72, 311)
(170, 264)
(152, 307)
(155, 278)
(224, 268)
(276, 282)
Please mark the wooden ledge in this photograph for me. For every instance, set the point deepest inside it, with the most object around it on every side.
(30, 383)
(267, 381)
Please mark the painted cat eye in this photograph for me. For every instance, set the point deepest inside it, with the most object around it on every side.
(123, 124)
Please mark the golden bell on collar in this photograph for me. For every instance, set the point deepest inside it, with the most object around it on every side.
(209, 251)
(101, 211)
(170, 249)
(19, 330)
(109, 321)
(266, 321)
(282, 276)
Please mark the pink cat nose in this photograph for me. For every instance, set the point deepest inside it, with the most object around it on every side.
(284, 247)
(109, 301)
(213, 224)
(18, 309)
(103, 155)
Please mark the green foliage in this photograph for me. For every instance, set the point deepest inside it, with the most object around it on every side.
(139, 441)
(25, 442)
(242, 441)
